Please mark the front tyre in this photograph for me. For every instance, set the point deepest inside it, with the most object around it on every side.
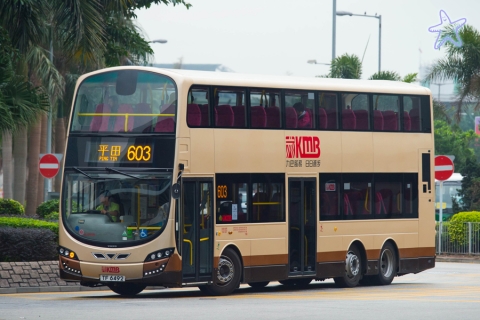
(127, 289)
(387, 265)
(353, 269)
(227, 277)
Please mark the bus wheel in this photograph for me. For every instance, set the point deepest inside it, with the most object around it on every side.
(127, 289)
(258, 285)
(387, 264)
(353, 269)
(227, 277)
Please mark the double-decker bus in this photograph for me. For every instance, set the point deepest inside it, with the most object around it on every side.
(178, 178)
(450, 189)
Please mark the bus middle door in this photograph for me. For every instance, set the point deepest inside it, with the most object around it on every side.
(301, 225)
(197, 226)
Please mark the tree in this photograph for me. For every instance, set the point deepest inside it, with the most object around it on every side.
(385, 75)
(461, 64)
(346, 67)
(451, 140)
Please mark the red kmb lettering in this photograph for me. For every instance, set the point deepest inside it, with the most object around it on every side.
(302, 147)
(111, 269)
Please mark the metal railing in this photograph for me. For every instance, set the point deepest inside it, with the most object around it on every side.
(458, 238)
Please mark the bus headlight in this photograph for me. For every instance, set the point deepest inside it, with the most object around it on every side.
(157, 255)
(64, 252)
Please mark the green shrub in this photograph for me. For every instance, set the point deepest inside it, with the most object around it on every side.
(10, 206)
(51, 216)
(17, 244)
(27, 223)
(48, 207)
(458, 228)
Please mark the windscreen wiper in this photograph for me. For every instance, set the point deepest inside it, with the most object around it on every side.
(78, 170)
(120, 172)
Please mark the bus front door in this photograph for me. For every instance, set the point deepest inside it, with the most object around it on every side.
(302, 221)
(197, 226)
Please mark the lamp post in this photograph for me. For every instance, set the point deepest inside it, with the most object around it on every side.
(379, 17)
(334, 28)
(315, 62)
(158, 41)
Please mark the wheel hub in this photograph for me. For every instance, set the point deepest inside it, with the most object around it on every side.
(386, 263)
(352, 265)
(225, 270)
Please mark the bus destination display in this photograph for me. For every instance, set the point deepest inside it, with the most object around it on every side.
(118, 152)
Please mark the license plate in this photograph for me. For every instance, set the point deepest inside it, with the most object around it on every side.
(111, 278)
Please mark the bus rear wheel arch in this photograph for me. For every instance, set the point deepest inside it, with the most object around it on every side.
(227, 275)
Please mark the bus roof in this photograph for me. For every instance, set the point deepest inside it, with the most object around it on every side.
(291, 82)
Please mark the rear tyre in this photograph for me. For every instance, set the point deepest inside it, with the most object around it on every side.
(258, 285)
(227, 277)
(387, 265)
(353, 269)
(127, 289)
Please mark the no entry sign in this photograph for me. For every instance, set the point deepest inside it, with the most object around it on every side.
(49, 166)
(443, 168)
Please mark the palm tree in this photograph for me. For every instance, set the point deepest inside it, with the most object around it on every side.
(461, 64)
(346, 66)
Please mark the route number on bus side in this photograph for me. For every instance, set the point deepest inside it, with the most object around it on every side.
(222, 192)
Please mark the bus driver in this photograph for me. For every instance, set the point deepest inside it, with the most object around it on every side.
(107, 206)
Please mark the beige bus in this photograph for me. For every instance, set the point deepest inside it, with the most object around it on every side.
(178, 178)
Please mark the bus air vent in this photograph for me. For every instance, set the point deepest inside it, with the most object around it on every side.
(99, 256)
(122, 256)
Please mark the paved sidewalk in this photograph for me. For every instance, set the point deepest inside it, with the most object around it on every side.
(32, 277)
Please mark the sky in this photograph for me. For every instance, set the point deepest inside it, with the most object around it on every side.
(278, 37)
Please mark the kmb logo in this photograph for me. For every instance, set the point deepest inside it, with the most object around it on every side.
(302, 147)
(111, 269)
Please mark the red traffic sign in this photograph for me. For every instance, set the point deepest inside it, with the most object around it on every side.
(49, 166)
(443, 168)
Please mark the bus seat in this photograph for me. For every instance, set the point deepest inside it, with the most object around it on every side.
(349, 122)
(329, 204)
(273, 117)
(205, 115)
(390, 120)
(259, 211)
(120, 120)
(377, 120)
(165, 125)
(100, 123)
(362, 119)
(322, 119)
(379, 204)
(143, 123)
(407, 124)
(387, 196)
(347, 207)
(291, 118)
(194, 116)
(310, 113)
(259, 117)
(415, 119)
(332, 121)
(239, 116)
(224, 116)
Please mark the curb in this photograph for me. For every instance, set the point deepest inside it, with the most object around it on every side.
(77, 288)
(49, 289)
